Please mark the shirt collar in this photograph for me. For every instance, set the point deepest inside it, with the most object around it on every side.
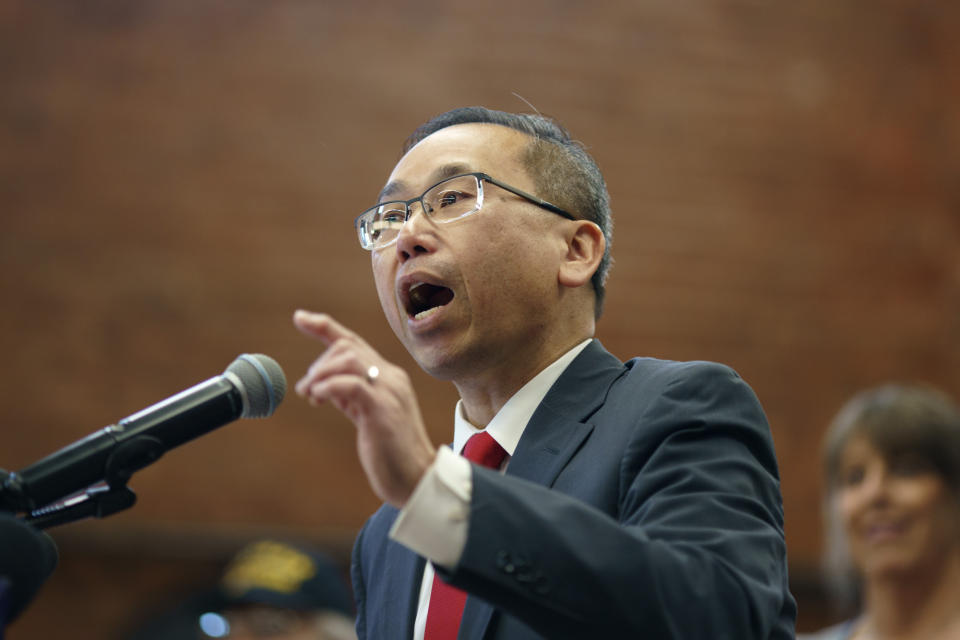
(508, 424)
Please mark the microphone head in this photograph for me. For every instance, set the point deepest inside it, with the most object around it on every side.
(27, 558)
(262, 383)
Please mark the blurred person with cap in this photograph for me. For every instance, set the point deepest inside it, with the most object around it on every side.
(270, 589)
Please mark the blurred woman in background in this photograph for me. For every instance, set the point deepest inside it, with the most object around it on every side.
(892, 458)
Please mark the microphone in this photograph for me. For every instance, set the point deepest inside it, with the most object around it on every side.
(27, 558)
(251, 387)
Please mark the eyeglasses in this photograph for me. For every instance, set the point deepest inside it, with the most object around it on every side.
(446, 201)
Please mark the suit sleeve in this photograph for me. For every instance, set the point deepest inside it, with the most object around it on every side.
(695, 548)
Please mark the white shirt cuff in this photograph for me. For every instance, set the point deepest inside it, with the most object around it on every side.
(433, 523)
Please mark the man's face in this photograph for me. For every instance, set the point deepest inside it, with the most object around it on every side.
(476, 294)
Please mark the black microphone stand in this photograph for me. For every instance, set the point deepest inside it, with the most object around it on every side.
(97, 501)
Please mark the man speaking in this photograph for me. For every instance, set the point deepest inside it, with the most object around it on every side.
(582, 497)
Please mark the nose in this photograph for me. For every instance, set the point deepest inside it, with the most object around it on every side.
(417, 235)
(876, 486)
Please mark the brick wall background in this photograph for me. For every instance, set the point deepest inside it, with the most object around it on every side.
(177, 177)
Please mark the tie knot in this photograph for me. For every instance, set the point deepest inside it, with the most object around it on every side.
(484, 450)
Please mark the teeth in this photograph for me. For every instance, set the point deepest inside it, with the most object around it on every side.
(426, 313)
(415, 298)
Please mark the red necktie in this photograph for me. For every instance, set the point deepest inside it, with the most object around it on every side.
(446, 602)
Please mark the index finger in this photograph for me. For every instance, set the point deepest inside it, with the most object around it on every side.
(320, 325)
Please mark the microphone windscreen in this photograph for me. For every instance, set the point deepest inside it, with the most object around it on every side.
(27, 558)
(263, 381)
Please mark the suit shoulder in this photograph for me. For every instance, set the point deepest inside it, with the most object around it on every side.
(668, 373)
(698, 389)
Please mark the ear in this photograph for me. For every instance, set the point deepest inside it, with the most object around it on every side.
(585, 247)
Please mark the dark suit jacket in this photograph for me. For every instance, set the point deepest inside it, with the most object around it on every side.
(642, 501)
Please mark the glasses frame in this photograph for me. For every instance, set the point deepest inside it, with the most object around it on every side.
(481, 178)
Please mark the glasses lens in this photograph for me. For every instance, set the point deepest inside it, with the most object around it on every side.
(454, 198)
(379, 225)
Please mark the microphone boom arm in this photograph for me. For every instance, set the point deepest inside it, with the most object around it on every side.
(89, 477)
(101, 499)
(95, 502)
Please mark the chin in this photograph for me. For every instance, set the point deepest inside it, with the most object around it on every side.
(439, 368)
(893, 565)
(440, 356)
(434, 361)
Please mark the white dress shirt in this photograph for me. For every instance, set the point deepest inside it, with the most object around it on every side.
(434, 522)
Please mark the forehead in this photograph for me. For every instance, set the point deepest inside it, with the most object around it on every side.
(864, 447)
(857, 449)
(462, 148)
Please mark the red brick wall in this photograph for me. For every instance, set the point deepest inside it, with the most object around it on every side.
(177, 177)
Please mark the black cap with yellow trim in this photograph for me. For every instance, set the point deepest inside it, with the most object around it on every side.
(279, 574)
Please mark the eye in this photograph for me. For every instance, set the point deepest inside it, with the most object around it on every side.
(909, 464)
(384, 221)
(450, 198)
(391, 216)
(852, 476)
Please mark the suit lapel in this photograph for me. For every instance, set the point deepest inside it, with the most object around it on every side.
(556, 430)
(408, 571)
(560, 424)
(396, 589)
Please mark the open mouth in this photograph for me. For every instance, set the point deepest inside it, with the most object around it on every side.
(423, 299)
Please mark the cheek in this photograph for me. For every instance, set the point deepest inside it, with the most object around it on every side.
(848, 507)
(513, 263)
(385, 295)
(383, 281)
(944, 519)
(952, 522)
(923, 496)
(506, 287)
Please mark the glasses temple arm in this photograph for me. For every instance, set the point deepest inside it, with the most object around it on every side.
(532, 198)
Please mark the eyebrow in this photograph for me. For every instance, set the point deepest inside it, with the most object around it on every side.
(440, 173)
